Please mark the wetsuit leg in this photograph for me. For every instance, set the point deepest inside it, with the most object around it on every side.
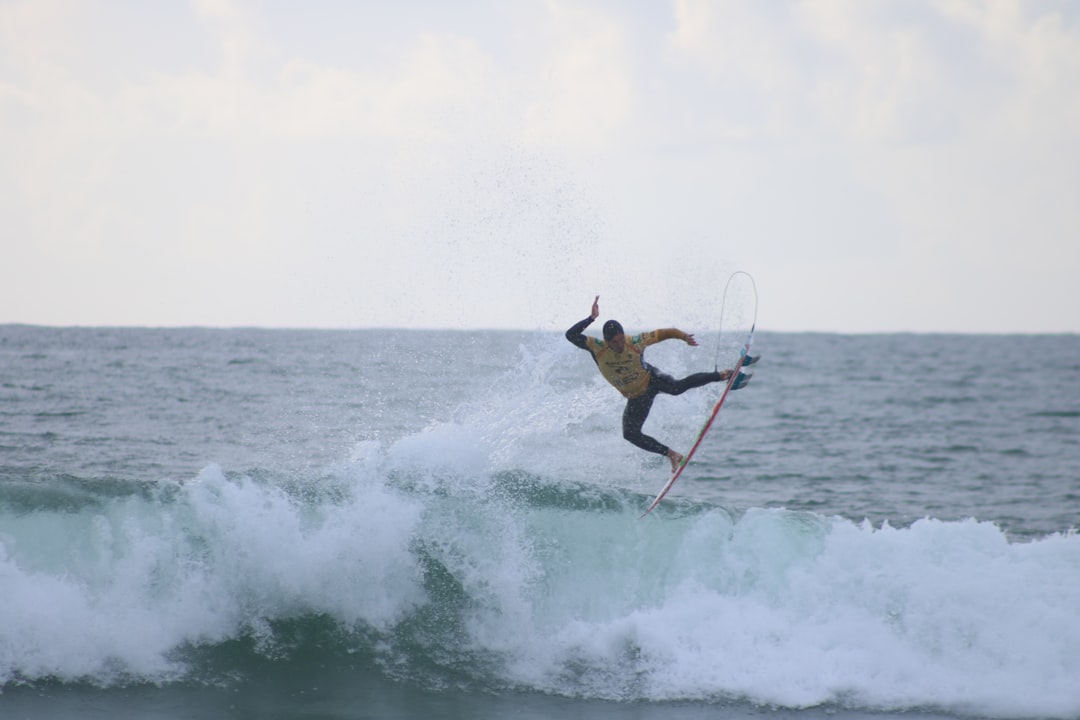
(670, 386)
(637, 409)
(634, 416)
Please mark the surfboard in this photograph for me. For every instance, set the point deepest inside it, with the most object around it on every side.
(743, 354)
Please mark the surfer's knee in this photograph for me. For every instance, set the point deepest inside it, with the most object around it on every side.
(645, 442)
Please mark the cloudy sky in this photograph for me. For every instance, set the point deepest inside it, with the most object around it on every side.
(877, 166)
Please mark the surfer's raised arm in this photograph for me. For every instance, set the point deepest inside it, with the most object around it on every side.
(576, 333)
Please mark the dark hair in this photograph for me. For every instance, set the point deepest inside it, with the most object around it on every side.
(611, 329)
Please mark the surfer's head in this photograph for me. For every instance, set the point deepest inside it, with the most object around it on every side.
(612, 328)
(613, 336)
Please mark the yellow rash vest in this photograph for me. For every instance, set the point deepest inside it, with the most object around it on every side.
(626, 371)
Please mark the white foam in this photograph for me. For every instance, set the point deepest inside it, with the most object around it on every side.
(796, 610)
(120, 588)
(784, 608)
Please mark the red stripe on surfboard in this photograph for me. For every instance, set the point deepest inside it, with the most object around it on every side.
(705, 428)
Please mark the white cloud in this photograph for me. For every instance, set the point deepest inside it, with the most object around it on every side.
(946, 133)
(233, 163)
(585, 92)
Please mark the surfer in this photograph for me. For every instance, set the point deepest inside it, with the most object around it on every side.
(622, 364)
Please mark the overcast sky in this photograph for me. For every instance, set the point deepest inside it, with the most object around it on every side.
(877, 166)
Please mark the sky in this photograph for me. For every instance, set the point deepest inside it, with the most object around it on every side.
(885, 166)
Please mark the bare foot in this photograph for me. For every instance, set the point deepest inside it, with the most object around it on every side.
(675, 458)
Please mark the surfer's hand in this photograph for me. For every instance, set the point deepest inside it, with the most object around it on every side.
(596, 308)
(690, 340)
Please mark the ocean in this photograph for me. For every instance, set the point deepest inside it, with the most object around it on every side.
(246, 523)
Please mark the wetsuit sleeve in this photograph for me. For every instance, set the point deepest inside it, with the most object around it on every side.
(655, 336)
(576, 336)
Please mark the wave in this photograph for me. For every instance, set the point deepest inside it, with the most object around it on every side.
(419, 563)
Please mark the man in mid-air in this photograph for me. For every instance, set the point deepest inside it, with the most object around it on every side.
(622, 364)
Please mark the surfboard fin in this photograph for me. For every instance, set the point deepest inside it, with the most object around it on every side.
(741, 381)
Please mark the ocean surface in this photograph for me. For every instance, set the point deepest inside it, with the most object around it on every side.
(200, 523)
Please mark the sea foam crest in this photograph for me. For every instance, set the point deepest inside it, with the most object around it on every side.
(515, 580)
(111, 592)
